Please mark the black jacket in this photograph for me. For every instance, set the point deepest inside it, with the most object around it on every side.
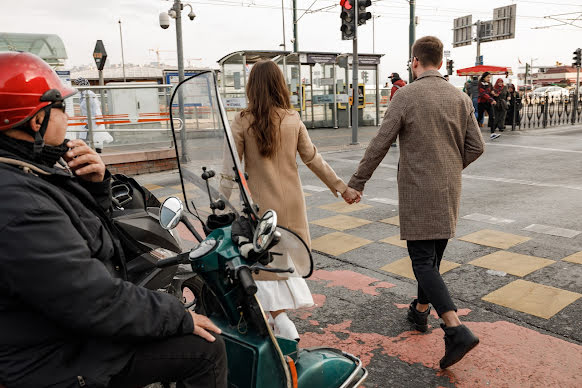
(65, 310)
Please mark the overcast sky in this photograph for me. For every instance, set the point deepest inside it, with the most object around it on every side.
(224, 26)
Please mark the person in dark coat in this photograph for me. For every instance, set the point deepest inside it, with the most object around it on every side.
(486, 102)
(68, 317)
(514, 105)
(501, 105)
(397, 83)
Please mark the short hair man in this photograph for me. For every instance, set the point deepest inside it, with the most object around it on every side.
(397, 83)
(439, 137)
(67, 315)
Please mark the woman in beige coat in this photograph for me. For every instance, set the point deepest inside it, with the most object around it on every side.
(268, 136)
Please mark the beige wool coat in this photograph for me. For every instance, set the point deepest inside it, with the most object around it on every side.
(438, 137)
(274, 182)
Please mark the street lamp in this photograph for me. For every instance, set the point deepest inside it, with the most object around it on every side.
(176, 13)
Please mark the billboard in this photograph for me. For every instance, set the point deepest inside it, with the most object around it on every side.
(463, 31)
(504, 22)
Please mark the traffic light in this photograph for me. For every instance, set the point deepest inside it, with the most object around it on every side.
(348, 17)
(577, 60)
(365, 76)
(363, 15)
(449, 66)
(527, 69)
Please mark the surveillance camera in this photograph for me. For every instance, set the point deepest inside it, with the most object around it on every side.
(164, 20)
(172, 14)
(191, 15)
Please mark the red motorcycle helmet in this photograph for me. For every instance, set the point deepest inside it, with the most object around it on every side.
(27, 85)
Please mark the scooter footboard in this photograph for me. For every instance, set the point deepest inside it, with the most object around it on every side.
(328, 367)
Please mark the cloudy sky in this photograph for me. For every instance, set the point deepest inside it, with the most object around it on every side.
(224, 26)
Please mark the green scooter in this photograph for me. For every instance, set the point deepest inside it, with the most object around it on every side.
(225, 289)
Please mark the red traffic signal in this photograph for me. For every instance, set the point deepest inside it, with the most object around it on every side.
(346, 4)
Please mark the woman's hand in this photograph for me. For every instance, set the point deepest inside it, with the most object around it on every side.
(352, 195)
(84, 161)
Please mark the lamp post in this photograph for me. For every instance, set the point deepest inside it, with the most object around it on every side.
(122, 55)
(176, 13)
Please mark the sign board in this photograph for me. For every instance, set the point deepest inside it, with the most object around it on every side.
(504, 22)
(323, 99)
(447, 53)
(326, 81)
(235, 102)
(365, 60)
(342, 98)
(99, 55)
(485, 31)
(463, 31)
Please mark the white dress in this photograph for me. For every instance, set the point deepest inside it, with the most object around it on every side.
(290, 294)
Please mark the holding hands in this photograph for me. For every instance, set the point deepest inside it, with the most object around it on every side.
(352, 195)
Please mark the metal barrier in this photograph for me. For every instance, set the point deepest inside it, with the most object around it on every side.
(547, 111)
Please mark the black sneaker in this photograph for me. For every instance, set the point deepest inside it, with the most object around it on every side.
(418, 319)
(459, 340)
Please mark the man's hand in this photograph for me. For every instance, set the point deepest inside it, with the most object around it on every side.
(202, 326)
(84, 161)
(493, 102)
(351, 195)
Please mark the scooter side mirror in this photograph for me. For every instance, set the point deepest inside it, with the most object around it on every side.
(171, 213)
(265, 231)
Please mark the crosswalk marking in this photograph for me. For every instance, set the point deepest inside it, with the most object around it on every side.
(552, 230)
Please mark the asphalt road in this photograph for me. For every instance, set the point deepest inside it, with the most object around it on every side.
(514, 268)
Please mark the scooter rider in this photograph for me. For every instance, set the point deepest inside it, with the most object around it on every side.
(67, 317)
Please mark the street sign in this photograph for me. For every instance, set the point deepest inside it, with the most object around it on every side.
(504, 22)
(447, 53)
(462, 31)
(100, 55)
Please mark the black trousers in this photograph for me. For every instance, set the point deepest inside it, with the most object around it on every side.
(426, 256)
(189, 360)
(483, 107)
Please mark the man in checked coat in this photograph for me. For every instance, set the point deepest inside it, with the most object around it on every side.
(439, 137)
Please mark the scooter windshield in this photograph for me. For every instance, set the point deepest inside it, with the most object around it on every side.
(213, 182)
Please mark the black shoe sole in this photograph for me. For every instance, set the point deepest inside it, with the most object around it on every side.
(418, 327)
(459, 356)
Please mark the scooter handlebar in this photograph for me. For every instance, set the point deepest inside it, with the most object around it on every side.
(246, 280)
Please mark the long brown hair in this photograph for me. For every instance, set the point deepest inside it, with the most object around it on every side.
(266, 92)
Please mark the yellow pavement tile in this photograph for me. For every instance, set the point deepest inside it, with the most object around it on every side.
(403, 267)
(392, 221)
(307, 194)
(151, 187)
(531, 298)
(395, 240)
(575, 258)
(177, 195)
(512, 263)
(494, 238)
(187, 186)
(337, 243)
(342, 207)
(341, 222)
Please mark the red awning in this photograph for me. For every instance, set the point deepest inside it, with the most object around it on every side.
(478, 70)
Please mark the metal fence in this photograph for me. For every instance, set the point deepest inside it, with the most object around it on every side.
(547, 111)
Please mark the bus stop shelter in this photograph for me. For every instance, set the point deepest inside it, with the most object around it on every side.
(319, 84)
(49, 47)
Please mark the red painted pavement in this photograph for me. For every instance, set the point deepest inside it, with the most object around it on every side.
(351, 280)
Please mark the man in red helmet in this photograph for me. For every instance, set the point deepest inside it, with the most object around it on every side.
(67, 316)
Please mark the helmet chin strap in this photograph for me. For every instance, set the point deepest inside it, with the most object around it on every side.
(39, 135)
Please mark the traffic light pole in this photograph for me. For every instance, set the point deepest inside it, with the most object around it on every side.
(411, 37)
(576, 95)
(355, 97)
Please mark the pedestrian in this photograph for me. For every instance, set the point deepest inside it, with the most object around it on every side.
(268, 135)
(501, 105)
(68, 317)
(514, 105)
(472, 90)
(486, 103)
(100, 135)
(397, 83)
(437, 142)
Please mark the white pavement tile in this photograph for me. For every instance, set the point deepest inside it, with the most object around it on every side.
(552, 230)
(488, 219)
(317, 189)
(386, 201)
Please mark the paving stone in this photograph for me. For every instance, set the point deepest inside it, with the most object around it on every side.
(395, 240)
(392, 221)
(152, 186)
(403, 267)
(552, 230)
(488, 219)
(575, 258)
(342, 207)
(341, 222)
(337, 243)
(532, 298)
(512, 263)
(494, 238)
